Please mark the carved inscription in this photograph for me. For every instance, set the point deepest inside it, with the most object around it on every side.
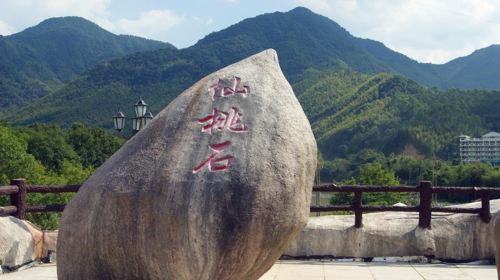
(217, 90)
(218, 121)
(215, 163)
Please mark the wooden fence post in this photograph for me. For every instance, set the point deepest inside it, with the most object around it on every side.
(318, 202)
(358, 211)
(19, 199)
(425, 212)
(485, 214)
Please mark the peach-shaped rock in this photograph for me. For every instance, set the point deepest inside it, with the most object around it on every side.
(214, 188)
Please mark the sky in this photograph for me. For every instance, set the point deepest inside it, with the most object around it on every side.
(433, 31)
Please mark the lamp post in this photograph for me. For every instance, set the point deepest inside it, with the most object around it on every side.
(119, 121)
(141, 120)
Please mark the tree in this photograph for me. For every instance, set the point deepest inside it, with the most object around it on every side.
(51, 150)
(93, 145)
(375, 174)
(15, 161)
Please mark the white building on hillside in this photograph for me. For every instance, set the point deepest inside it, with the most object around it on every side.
(485, 149)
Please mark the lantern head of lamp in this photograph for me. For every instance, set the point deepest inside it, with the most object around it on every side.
(119, 121)
(140, 108)
(136, 124)
(148, 117)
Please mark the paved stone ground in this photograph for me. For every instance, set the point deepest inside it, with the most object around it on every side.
(312, 270)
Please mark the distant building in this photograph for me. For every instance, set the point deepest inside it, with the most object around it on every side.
(484, 149)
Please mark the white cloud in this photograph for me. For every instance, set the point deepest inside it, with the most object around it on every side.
(31, 12)
(426, 30)
(84, 8)
(5, 29)
(150, 24)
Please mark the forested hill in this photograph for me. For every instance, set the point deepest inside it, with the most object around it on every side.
(387, 113)
(307, 45)
(42, 58)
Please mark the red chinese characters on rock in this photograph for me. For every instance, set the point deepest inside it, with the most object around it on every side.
(214, 163)
(220, 120)
(217, 90)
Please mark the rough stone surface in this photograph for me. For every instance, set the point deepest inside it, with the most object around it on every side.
(459, 237)
(16, 242)
(155, 211)
(50, 242)
(497, 242)
(22, 242)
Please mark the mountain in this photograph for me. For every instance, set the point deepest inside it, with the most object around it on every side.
(42, 58)
(481, 69)
(308, 46)
(350, 112)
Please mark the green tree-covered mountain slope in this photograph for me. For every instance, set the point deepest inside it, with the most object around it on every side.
(481, 69)
(308, 45)
(305, 42)
(40, 59)
(389, 113)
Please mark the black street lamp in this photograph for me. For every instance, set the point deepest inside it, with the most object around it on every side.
(140, 108)
(119, 121)
(148, 117)
(142, 117)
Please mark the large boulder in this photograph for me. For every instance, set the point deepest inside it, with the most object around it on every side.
(214, 188)
(22, 242)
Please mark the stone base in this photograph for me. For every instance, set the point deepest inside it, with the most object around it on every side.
(453, 237)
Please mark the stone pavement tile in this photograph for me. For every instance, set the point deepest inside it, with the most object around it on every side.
(479, 272)
(42, 272)
(393, 271)
(298, 270)
(347, 271)
(272, 273)
(441, 272)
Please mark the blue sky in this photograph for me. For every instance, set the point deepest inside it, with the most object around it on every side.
(426, 30)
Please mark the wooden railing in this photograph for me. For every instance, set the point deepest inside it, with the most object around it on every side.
(424, 209)
(18, 189)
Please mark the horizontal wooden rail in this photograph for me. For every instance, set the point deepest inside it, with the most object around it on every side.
(46, 208)
(456, 210)
(52, 189)
(364, 188)
(8, 190)
(8, 210)
(373, 189)
(332, 208)
(465, 190)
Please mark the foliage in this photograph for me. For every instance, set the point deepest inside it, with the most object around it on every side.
(93, 145)
(375, 174)
(372, 174)
(15, 161)
(365, 118)
(391, 114)
(46, 154)
(308, 46)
